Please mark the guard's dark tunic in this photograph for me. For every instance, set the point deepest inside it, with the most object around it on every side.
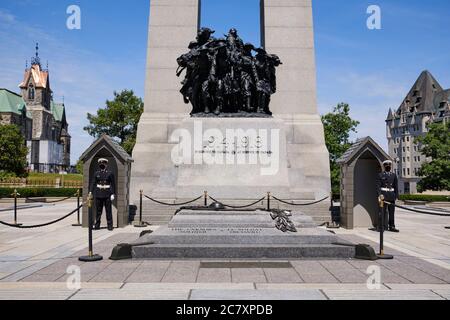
(387, 185)
(102, 180)
(103, 186)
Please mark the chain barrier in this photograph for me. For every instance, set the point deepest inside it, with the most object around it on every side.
(238, 207)
(173, 204)
(206, 196)
(51, 202)
(41, 225)
(447, 214)
(300, 204)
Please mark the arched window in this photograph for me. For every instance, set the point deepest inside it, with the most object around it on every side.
(31, 92)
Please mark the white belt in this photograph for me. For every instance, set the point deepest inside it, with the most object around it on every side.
(387, 190)
(103, 187)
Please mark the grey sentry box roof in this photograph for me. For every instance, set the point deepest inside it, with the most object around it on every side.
(120, 163)
(360, 167)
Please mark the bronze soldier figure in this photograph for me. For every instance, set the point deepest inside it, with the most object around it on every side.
(220, 76)
(103, 187)
(387, 185)
(262, 74)
(197, 64)
(234, 41)
(223, 76)
(247, 81)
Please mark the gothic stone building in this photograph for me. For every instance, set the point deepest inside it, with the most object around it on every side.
(425, 103)
(42, 121)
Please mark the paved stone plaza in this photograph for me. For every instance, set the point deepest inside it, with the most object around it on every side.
(33, 265)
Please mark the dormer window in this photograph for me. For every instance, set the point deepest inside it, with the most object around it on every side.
(31, 92)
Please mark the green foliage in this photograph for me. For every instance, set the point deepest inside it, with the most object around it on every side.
(53, 176)
(38, 192)
(13, 151)
(7, 175)
(338, 126)
(119, 119)
(79, 167)
(424, 197)
(436, 145)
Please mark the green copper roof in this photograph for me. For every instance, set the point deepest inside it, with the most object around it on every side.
(58, 111)
(11, 102)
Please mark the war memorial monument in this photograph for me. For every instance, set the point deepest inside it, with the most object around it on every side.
(232, 123)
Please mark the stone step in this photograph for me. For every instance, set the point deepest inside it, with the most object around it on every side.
(243, 251)
(254, 236)
(164, 219)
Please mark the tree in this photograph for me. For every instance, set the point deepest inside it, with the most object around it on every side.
(79, 167)
(119, 119)
(13, 150)
(338, 125)
(435, 145)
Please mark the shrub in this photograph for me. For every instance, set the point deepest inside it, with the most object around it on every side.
(6, 175)
(424, 197)
(38, 192)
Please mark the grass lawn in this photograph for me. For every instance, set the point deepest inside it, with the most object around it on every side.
(54, 176)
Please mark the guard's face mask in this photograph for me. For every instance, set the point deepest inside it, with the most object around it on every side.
(103, 166)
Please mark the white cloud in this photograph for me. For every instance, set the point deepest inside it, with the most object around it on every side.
(369, 95)
(6, 17)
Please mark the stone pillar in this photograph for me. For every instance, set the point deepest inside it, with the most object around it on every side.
(289, 33)
(173, 23)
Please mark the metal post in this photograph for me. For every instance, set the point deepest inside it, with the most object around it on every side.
(15, 206)
(78, 224)
(15, 194)
(141, 223)
(206, 198)
(268, 201)
(382, 204)
(91, 257)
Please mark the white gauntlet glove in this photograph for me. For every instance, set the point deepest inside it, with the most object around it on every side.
(113, 197)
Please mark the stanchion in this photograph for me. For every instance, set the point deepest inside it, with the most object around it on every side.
(141, 223)
(15, 194)
(206, 198)
(268, 201)
(382, 255)
(78, 224)
(91, 257)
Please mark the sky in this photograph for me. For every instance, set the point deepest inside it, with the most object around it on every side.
(372, 70)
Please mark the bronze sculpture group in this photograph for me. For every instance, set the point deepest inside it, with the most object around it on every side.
(224, 78)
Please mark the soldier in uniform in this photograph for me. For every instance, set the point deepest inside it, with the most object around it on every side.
(103, 187)
(388, 187)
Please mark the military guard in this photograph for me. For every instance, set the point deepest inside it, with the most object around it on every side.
(103, 187)
(388, 187)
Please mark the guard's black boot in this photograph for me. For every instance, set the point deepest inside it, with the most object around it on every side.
(394, 229)
(96, 227)
(110, 227)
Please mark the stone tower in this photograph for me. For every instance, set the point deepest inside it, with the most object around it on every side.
(50, 139)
